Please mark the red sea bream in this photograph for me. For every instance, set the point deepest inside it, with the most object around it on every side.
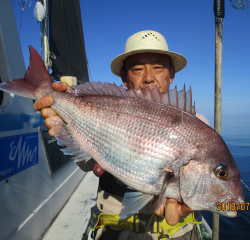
(150, 146)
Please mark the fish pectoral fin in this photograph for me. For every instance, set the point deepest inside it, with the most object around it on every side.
(133, 202)
(64, 138)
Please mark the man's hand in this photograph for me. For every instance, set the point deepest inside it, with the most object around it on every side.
(43, 105)
(172, 210)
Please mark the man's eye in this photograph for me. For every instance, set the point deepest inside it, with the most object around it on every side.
(158, 67)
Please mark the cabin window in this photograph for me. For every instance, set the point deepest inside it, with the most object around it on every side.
(54, 156)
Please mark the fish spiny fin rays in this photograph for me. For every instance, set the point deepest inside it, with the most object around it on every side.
(35, 81)
(181, 99)
(99, 88)
(105, 89)
(64, 138)
(133, 202)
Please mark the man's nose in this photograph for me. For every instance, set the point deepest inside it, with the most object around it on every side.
(149, 76)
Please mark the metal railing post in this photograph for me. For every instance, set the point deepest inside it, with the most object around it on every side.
(219, 12)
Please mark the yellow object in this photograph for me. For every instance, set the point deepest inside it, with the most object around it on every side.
(72, 81)
(159, 223)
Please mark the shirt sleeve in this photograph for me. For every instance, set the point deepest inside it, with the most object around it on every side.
(202, 118)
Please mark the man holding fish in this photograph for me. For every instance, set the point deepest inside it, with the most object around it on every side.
(146, 62)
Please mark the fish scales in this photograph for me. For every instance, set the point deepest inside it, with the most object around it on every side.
(127, 137)
(156, 149)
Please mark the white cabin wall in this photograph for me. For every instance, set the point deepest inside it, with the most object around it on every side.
(31, 199)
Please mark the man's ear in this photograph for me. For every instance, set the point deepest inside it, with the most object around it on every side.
(172, 73)
(123, 77)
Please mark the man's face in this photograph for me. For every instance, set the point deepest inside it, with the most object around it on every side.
(148, 69)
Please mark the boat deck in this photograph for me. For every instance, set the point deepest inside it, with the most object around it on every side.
(73, 219)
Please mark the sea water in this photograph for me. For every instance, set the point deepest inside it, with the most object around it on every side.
(236, 133)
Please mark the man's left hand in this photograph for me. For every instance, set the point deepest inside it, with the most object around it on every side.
(172, 210)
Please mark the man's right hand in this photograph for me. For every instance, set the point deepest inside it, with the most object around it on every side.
(43, 105)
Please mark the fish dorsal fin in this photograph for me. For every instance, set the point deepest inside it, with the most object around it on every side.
(64, 138)
(99, 88)
(178, 99)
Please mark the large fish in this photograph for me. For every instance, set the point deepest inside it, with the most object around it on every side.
(151, 147)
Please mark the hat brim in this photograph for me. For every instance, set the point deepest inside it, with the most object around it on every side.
(178, 60)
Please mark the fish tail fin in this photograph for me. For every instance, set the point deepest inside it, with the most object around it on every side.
(36, 82)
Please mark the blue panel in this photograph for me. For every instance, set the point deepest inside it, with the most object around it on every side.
(10, 121)
(17, 154)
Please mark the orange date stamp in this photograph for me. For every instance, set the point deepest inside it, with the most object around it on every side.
(232, 206)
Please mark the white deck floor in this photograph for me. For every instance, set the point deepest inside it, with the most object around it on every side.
(73, 219)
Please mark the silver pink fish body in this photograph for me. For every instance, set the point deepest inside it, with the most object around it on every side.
(151, 147)
(134, 140)
(139, 141)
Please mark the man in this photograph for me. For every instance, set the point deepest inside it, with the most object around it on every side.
(146, 62)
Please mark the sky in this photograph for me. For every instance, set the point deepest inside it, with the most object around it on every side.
(189, 29)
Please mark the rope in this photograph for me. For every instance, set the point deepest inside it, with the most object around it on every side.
(245, 185)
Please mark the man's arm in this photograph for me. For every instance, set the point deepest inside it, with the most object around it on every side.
(172, 210)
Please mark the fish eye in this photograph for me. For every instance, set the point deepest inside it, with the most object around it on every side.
(221, 171)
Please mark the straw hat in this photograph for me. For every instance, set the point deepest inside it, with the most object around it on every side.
(147, 41)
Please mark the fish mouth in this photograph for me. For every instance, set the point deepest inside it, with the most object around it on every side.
(230, 214)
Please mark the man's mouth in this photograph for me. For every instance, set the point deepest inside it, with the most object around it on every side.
(150, 85)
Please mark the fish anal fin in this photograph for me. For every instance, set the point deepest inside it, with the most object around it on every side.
(64, 138)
